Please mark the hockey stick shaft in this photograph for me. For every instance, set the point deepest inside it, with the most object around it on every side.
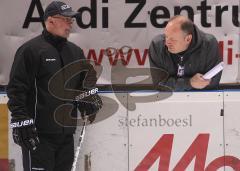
(74, 165)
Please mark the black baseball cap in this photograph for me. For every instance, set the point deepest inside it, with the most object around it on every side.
(58, 7)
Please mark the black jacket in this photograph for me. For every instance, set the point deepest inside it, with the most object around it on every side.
(35, 63)
(201, 56)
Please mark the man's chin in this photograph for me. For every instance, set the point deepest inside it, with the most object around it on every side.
(65, 36)
(172, 51)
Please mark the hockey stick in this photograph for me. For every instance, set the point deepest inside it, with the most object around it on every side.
(74, 165)
(85, 120)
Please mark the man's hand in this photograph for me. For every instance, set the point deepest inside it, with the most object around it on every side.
(24, 133)
(90, 107)
(198, 82)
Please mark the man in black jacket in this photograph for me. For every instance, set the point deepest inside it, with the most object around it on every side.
(186, 53)
(39, 126)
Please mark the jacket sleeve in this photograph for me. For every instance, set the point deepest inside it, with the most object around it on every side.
(179, 84)
(89, 78)
(86, 78)
(20, 83)
(156, 60)
(213, 58)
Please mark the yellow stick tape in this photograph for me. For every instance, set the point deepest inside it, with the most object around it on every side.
(3, 131)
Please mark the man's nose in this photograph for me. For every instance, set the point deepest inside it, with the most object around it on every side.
(167, 42)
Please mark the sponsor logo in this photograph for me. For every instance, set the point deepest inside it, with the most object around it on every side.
(86, 94)
(35, 168)
(22, 123)
(50, 59)
(197, 152)
(139, 9)
(64, 7)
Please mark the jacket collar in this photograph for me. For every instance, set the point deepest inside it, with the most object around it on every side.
(54, 40)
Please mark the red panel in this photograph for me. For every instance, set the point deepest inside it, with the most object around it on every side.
(3, 164)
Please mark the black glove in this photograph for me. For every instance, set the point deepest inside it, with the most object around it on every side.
(90, 107)
(25, 133)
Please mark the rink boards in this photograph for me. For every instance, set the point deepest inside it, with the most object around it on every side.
(154, 131)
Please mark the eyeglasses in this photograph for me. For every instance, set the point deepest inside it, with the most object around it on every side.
(66, 19)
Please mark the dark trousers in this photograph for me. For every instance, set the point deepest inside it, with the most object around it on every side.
(54, 153)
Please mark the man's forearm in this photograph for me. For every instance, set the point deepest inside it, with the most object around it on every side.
(178, 84)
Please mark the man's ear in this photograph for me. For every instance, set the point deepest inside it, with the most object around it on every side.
(50, 20)
(189, 38)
